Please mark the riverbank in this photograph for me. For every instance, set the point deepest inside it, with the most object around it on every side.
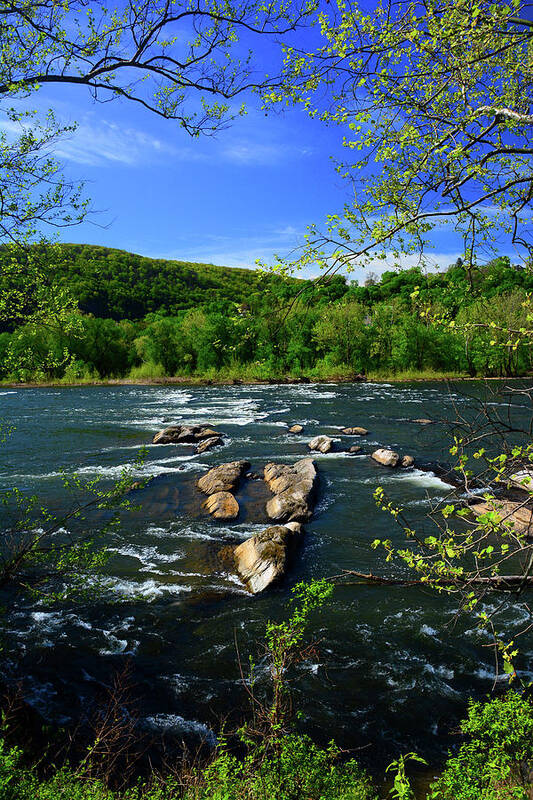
(224, 379)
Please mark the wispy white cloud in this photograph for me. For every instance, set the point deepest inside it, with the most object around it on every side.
(247, 152)
(107, 143)
(240, 250)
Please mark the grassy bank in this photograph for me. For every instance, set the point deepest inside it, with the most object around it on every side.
(246, 375)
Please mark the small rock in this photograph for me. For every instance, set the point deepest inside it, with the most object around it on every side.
(262, 559)
(355, 448)
(222, 505)
(208, 444)
(321, 443)
(389, 458)
(407, 461)
(296, 429)
(224, 478)
(356, 431)
(423, 421)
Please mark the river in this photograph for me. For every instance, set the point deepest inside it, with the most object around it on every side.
(394, 666)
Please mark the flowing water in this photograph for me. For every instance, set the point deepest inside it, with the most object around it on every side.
(394, 667)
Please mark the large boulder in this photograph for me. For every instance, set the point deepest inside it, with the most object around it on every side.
(224, 478)
(208, 444)
(183, 434)
(293, 488)
(222, 505)
(355, 431)
(322, 444)
(389, 458)
(263, 558)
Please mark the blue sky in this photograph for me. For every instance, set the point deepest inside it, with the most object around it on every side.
(246, 194)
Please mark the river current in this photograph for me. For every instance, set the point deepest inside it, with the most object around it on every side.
(394, 666)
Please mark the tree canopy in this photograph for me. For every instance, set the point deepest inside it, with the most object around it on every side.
(434, 98)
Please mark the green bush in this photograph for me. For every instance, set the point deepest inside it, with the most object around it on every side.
(298, 771)
(495, 763)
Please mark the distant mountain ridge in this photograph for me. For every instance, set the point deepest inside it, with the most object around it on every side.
(116, 284)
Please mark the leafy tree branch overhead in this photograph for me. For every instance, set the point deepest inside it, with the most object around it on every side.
(436, 102)
(159, 54)
(183, 61)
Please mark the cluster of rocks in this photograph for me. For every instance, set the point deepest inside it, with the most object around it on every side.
(390, 458)
(201, 435)
(220, 484)
(263, 558)
(325, 444)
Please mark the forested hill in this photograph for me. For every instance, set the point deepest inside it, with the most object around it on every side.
(115, 284)
(150, 318)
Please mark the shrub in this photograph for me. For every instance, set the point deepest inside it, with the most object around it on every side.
(495, 763)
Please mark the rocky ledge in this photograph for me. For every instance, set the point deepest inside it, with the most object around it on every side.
(224, 478)
(184, 434)
(294, 489)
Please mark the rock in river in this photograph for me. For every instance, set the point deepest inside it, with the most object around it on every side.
(222, 505)
(407, 461)
(263, 558)
(208, 444)
(389, 458)
(296, 428)
(224, 478)
(293, 488)
(514, 517)
(355, 431)
(184, 434)
(321, 443)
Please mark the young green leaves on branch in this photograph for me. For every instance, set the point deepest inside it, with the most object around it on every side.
(434, 99)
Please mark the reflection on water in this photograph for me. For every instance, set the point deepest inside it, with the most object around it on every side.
(394, 666)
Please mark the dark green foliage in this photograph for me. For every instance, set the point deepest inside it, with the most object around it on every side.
(164, 318)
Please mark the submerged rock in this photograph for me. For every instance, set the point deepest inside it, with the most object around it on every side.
(263, 558)
(296, 428)
(321, 443)
(389, 458)
(355, 431)
(208, 444)
(222, 505)
(224, 478)
(293, 488)
(513, 516)
(184, 434)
